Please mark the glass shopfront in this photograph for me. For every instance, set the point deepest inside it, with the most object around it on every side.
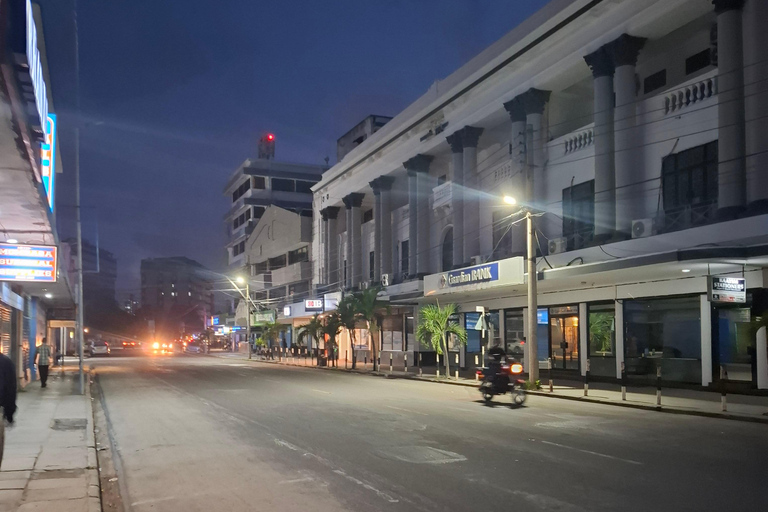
(601, 327)
(564, 337)
(663, 332)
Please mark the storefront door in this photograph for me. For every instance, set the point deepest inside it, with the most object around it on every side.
(564, 337)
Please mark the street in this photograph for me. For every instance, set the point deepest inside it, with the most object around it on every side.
(206, 433)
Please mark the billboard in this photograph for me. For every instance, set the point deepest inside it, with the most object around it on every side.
(728, 290)
(28, 263)
(48, 159)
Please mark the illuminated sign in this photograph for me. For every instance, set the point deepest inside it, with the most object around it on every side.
(28, 263)
(48, 158)
(262, 317)
(313, 305)
(214, 320)
(286, 310)
(728, 289)
(36, 67)
(471, 275)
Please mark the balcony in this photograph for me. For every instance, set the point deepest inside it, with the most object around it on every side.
(301, 271)
(261, 282)
(442, 195)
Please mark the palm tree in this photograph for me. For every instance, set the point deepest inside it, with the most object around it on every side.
(434, 327)
(369, 309)
(270, 331)
(331, 328)
(348, 316)
(311, 330)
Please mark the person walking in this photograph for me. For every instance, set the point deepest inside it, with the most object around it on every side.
(7, 397)
(43, 359)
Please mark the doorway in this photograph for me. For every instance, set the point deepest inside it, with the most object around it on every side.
(564, 337)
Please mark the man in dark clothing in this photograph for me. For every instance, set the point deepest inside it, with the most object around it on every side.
(44, 358)
(7, 396)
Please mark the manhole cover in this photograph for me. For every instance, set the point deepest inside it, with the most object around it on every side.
(69, 424)
(421, 455)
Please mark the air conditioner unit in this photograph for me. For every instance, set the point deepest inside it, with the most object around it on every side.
(557, 245)
(364, 285)
(642, 228)
(477, 260)
(384, 279)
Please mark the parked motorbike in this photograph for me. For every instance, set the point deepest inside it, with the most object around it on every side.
(500, 379)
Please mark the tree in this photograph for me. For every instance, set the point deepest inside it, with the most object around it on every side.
(311, 330)
(369, 309)
(331, 328)
(434, 327)
(270, 331)
(348, 317)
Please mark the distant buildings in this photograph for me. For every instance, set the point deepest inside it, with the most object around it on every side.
(359, 134)
(99, 272)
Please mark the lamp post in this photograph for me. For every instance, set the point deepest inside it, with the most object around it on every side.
(241, 280)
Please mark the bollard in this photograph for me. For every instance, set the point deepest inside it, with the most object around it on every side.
(586, 380)
(365, 362)
(723, 379)
(390, 363)
(551, 383)
(437, 365)
(658, 386)
(420, 370)
(378, 363)
(623, 381)
(405, 362)
(482, 354)
(346, 358)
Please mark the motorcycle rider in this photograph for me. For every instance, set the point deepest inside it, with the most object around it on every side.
(498, 355)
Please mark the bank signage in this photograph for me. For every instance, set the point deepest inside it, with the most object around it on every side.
(313, 305)
(477, 277)
(35, 263)
(728, 290)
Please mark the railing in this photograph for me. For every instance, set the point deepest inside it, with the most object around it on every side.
(292, 273)
(689, 95)
(689, 216)
(580, 140)
(442, 195)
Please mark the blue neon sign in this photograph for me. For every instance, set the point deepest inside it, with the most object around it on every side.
(28, 263)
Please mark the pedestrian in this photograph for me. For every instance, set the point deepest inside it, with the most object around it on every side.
(7, 397)
(43, 360)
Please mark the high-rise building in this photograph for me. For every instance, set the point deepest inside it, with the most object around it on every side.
(99, 272)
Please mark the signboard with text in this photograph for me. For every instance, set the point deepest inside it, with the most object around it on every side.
(477, 277)
(313, 305)
(48, 159)
(26, 263)
(727, 290)
(262, 317)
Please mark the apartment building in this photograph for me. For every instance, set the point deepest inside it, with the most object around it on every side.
(631, 129)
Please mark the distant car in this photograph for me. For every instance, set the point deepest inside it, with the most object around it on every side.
(193, 348)
(131, 345)
(162, 348)
(99, 348)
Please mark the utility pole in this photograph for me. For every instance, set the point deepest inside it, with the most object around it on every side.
(531, 342)
(80, 305)
(248, 320)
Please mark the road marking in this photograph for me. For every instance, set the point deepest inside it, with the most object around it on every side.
(380, 494)
(286, 444)
(321, 391)
(297, 480)
(406, 410)
(593, 453)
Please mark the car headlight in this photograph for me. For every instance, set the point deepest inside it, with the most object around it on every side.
(155, 345)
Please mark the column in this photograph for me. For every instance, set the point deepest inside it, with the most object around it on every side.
(755, 39)
(470, 138)
(706, 340)
(534, 101)
(731, 144)
(583, 337)
(457, 196)
(377, 234)
(629, 167)
(347, 261)
(332, 249)
(419, 217)
(387, 235)
(601, 64)
(618, 322)
(517, 116)
(353, 202)
(325, 273)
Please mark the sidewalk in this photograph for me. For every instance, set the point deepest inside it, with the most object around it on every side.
(677, 401)
(50, 458)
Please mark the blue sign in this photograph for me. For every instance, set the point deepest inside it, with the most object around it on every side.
(214, 320)
(542, 316)
(48, 158)
(471, 275)
(28, 263)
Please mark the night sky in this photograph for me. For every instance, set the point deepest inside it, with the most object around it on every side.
(174, 95)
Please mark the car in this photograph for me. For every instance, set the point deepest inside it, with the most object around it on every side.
(98, 348)
(131, 345)
(162, 348)
(193, 348)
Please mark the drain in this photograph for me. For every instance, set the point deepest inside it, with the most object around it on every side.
(69, 424)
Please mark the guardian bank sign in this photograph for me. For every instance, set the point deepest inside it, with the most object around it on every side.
(477, 277)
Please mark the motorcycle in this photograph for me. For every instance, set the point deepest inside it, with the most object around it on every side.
(500, 379)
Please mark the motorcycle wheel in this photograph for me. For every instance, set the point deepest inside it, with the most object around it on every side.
(519, 396)
(488, 397)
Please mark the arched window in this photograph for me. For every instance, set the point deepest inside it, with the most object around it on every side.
(448, 250)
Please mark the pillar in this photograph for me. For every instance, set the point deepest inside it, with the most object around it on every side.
(470, 138)
(457, 196)
(387, 235)
(583, 337)
(628, 164)
(353, 202)
(601, 64)
(517, 116)
(418, 213)
(731, 144)
(377, 234)
(706, 339)
(755, 42)
(618, 321)
(331, 246)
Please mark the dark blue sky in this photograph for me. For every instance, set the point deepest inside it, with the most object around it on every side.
(183, 89)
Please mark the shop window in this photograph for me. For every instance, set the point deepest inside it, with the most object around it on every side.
(655, 81)
(392, 333)
(283, 185)
(447, 250)
(367, 216)
(514, 333)
(471, 321)
(579, 214)
(689, 185)
(698, 61)
(602, 339)
(304, 187)
(404, 258)
(663, 332)
(298, 255)
(494, 334)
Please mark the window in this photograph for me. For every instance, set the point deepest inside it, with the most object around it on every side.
(579, 214)
(404, 257)
(259, 182)
(663, 332)
(447, 252)
(367, 216)
(277, 262)
(242, 189)
(441, 180)
(282, 185)
(298, 255)
(602, 339)
(514, 335)
(698, 61)
(371, 265)
(471, 320)
(690, 178)
(260, 268)
(304, 186)
(258, 211)
(655, 81)
(502, 239)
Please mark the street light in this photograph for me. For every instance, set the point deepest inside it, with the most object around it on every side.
(510, 200)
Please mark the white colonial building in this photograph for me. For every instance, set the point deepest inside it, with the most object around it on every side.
(639, 126)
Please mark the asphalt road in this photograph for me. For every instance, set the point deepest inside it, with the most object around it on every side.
(205, 433)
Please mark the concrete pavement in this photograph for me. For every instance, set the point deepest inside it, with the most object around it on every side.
(200, 433)
(50, 458)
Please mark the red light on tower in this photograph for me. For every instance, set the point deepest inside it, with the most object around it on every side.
(270, 137)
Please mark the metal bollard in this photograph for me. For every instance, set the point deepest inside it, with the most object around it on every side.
(420, 370)
(405, 362)
(586, 380)
(346, 358)
(723, 379)
(551, 382)
(365, 362)
(482, 354)
(477, 377)
(390, 363)
(456, 359)
(623, 381)
(658, 386)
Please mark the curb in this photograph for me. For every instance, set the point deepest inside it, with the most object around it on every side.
(668, 410)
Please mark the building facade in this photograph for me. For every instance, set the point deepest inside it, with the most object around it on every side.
(631, 131)
(359, 134)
